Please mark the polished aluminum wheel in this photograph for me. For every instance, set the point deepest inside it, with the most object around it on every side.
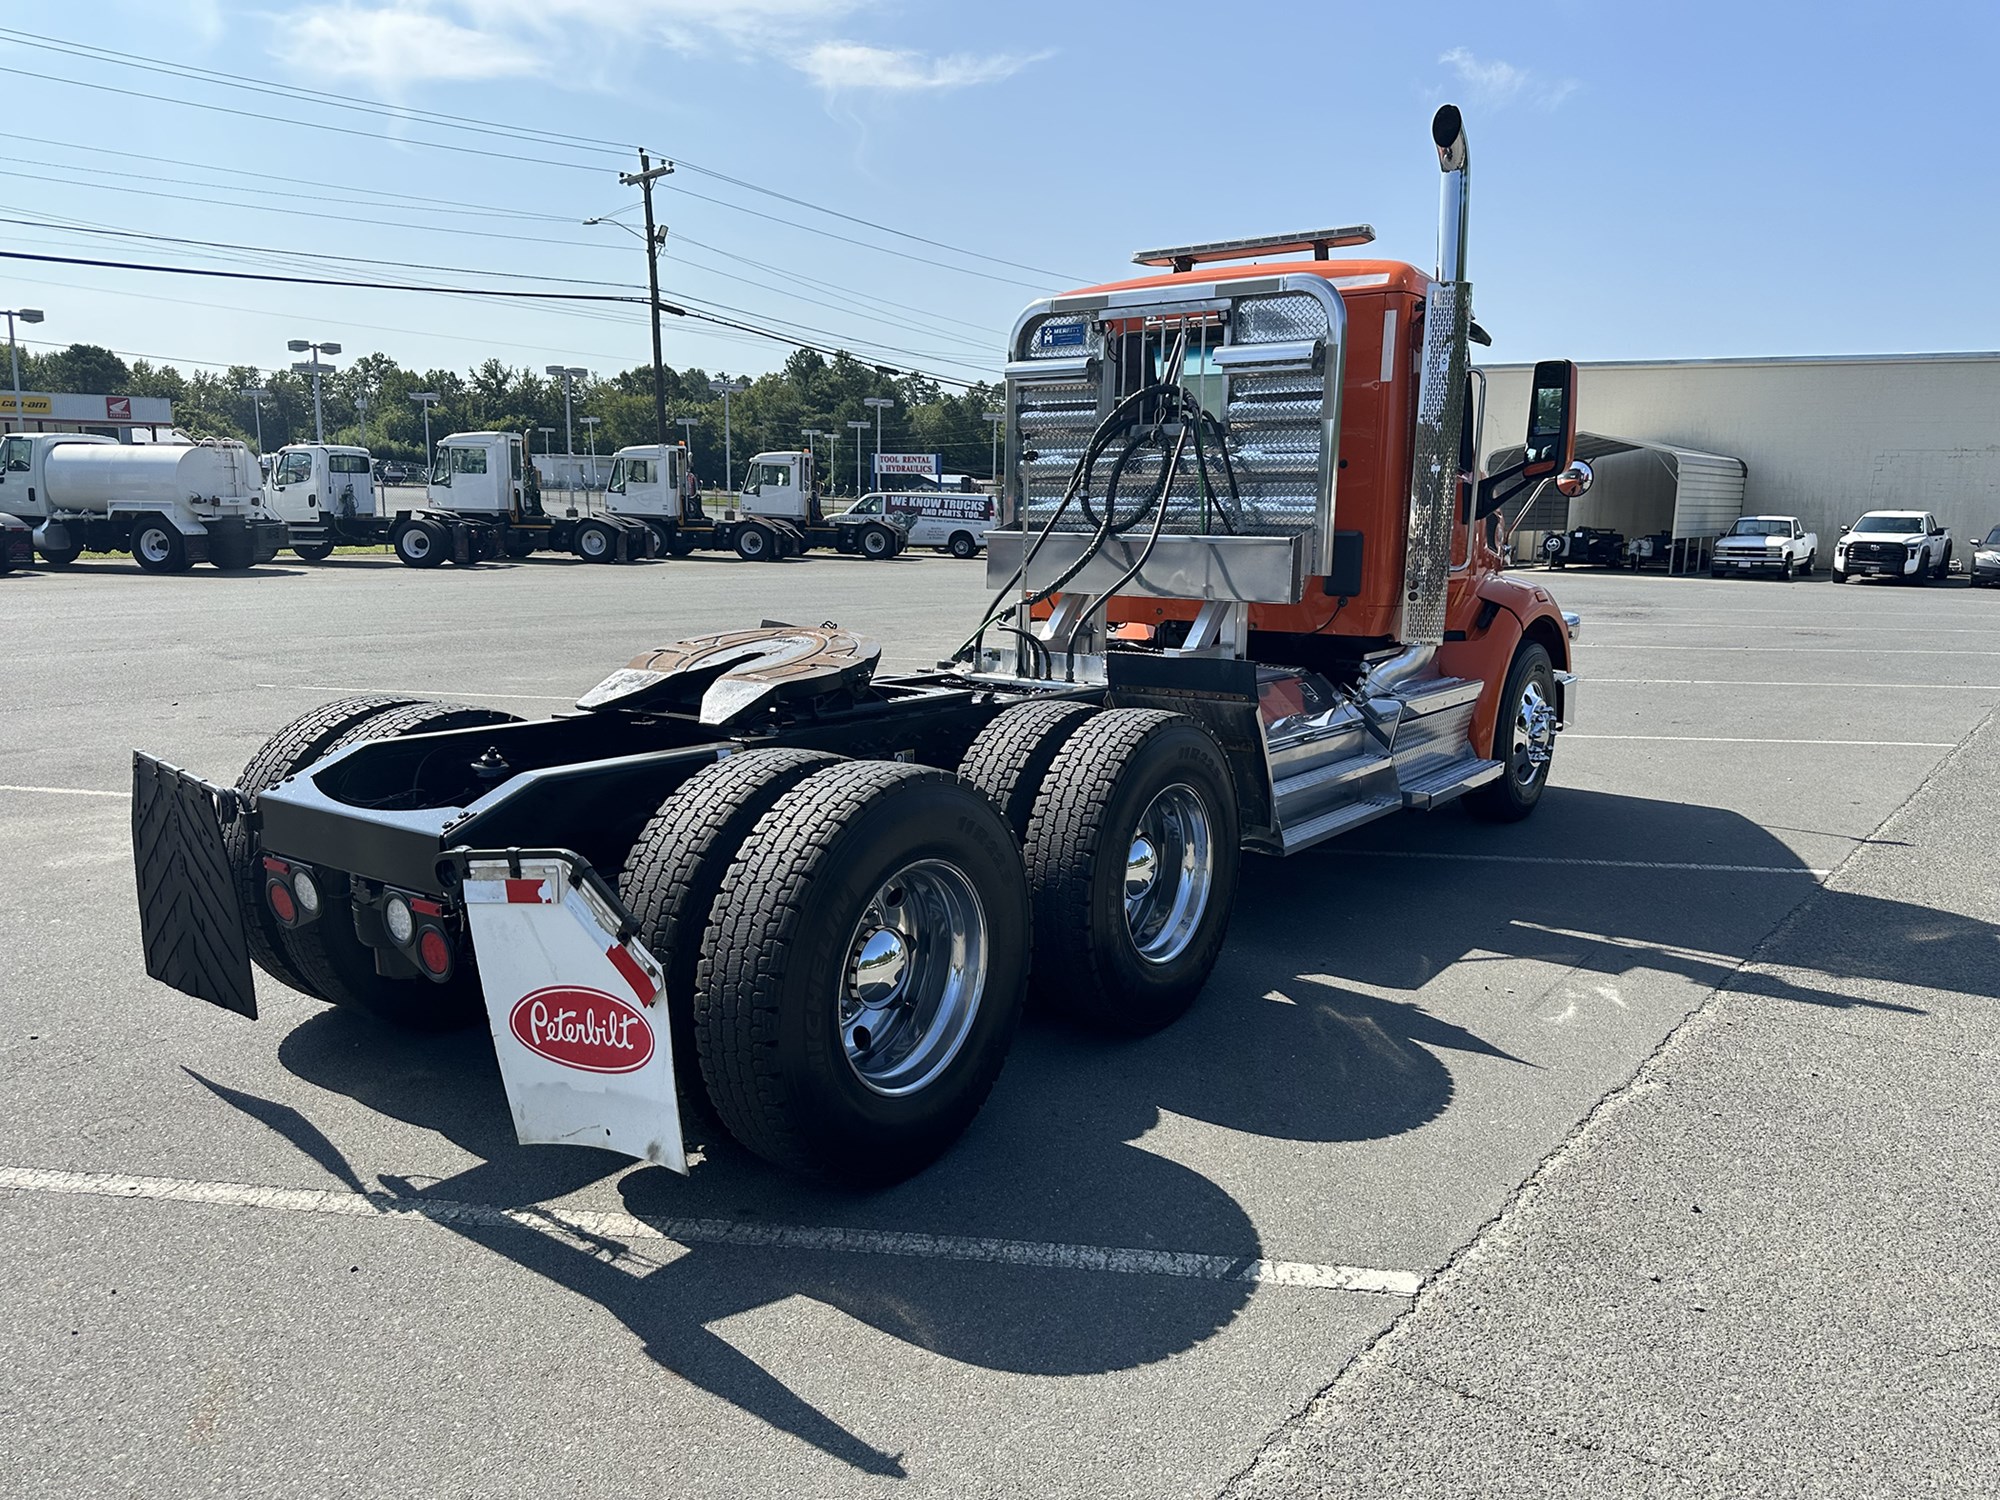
(1169, 873)
(916, 971)
(1534, 735)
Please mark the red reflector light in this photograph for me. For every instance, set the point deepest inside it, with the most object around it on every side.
(434, 952)
(283, 907)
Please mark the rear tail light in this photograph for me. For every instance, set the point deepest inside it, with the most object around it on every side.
(291, 892)
(283, 907)
(434, 952)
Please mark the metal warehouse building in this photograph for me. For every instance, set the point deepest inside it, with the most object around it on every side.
(1823, 438)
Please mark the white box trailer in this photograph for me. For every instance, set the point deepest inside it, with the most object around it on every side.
(169, 505)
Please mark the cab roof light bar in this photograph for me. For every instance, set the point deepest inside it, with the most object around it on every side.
(1319, 241)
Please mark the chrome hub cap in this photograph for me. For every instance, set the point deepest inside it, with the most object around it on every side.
(1169, 873)
(1534, 735)
(916, 971)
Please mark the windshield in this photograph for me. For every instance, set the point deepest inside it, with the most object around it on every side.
(295, 468)
(347, 463)
(872, 506)
(17, 455)
(1893, 525)
(1992, 538)
(616, 486)
(441, 467)
(1754, 526)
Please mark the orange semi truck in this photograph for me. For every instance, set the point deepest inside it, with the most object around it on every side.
(1248, 599)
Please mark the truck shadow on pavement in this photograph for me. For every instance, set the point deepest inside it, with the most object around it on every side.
(1311, 1030)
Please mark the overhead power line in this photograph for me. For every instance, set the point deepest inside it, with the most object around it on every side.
(510, 293)
(490, 128)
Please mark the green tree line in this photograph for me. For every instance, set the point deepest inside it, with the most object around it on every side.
(809, 391)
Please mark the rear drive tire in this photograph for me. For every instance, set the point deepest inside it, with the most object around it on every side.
(61, 557)
(421, 544)
(1524, 737)
(680, 544)
(305, 740)
(313, 551)
(863, 974)
(1010, 758)
(596, 542)
(1132, 855)
(675, 870)
(157, 547)
(963, 544)
(335, 962)
(876, 543)
(753, 544)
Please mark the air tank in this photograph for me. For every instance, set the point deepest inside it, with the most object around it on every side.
(92, 477)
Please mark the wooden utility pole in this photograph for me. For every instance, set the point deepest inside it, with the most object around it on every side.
(643, 180)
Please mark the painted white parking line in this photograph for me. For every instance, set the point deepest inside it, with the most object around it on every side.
(574, 1223)
(1594, 864)
(328, 687)
(1590, 645)
(1926, 687)
(1728, 739)
(66, 791)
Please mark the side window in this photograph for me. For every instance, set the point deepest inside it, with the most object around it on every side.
(17, 455)
(514, 458)
(639, 471)
(472, 460)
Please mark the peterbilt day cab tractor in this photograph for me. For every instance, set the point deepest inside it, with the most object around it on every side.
(1252, 603)
(171, 505)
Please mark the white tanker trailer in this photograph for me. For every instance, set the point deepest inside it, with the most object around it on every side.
(169, 505)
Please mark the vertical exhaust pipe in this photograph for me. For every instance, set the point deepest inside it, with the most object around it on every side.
(1441, 415)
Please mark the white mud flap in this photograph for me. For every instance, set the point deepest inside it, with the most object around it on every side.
(577, 1012)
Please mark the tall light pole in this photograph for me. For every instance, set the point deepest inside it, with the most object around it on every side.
(725, 389)
(881, 404)
(313, 367)
(590, 431)
(26, 315)
(998, 419)
(569, 375)
(427, 399)
(857, 427)
(257, 393)
(361, 416)
(809, 433)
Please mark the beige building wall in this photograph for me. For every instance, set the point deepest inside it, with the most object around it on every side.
(1824, 439)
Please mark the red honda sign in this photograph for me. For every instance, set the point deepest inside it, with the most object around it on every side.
(118, 408)
(582, 1028)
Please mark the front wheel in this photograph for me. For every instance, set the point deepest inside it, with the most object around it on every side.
(876, 543)
(1839, 574)
(158, 547)
(963, 545)
(753, 544)
(420, 544)
(1524, 739)
(595, 542)
(863, 973)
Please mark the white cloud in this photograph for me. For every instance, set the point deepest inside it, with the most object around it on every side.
(395, 43)
(853, 65)
(1496, 83)
(396, 47)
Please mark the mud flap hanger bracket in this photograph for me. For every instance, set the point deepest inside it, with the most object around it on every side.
(453, 864)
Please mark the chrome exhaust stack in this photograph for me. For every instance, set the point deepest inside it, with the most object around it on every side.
(1441, 415)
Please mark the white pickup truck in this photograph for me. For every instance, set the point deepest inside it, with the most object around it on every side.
(1904, 544)
(1765, 544)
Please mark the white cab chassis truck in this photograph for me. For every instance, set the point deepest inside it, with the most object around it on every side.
(776, 515)
(169, 505)
(325, 494)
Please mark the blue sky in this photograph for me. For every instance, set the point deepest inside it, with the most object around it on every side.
(1649, 180)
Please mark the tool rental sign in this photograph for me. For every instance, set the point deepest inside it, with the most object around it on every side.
(930, 465)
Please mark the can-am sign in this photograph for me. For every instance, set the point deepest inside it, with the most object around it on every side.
(931, 464)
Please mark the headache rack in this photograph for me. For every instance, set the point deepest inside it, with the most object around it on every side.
(1264, 355)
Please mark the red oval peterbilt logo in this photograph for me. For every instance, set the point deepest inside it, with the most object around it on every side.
(581, 1028)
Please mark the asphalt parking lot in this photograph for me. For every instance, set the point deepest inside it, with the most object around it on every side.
(1404, 1203)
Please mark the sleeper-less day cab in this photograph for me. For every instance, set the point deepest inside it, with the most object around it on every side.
(1250, 599)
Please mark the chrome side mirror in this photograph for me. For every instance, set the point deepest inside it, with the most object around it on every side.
(1575, 480)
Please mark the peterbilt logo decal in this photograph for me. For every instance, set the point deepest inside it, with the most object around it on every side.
(582, 1028)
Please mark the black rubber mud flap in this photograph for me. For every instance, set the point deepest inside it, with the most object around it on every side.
(189, 921)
